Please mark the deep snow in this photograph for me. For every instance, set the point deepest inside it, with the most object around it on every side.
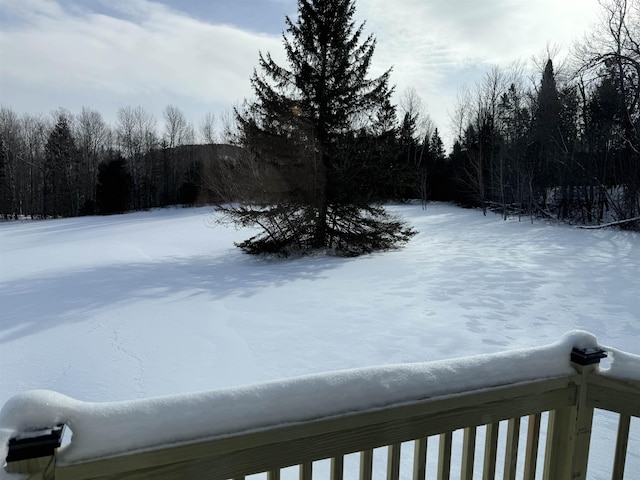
(160, 303)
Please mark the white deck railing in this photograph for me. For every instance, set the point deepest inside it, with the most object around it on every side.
(566, 403)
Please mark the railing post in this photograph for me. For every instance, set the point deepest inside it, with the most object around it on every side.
(569, 431)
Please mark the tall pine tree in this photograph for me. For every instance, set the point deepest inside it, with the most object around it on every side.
(302, 129)
(61, 171)
(546, 136)
(5, 198)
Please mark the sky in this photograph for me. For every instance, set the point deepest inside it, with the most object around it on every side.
(199, 54)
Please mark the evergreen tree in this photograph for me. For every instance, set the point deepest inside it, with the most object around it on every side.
(436, 147)
(438, 175)
(459, 191)
(546, 133)
(303, 130)
(515, 123)
(5, 200)
(410, 159)
(383, 172)
(113, 192)
(61, 196)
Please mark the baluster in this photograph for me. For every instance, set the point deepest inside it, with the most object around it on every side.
(306, 471)
(366, 464)
(273, 474)
(337, 468)
(468, 453)
(393, 462)
(490, 451)
(420, 459)
(444, 456)
(511, 454)
(621, 447)
(531, 451)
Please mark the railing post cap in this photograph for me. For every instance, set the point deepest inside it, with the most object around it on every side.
(588, 355)
(34, 444)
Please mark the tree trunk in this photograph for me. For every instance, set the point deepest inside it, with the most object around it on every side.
(320, 234)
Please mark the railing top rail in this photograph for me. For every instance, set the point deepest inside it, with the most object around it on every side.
(317, 416)
(624, 365)
(245, 453)
(97, 427)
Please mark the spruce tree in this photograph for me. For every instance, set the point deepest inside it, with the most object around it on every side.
(61, 171)
(303, 131)
(5, 194)
(113, 190)
(546, 134)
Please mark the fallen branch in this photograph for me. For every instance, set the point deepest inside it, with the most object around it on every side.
(610, 224)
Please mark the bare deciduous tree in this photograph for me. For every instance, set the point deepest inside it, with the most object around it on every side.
(92, 139)
(176, 128)
(207, 129)
(136, 134)
(611, 53)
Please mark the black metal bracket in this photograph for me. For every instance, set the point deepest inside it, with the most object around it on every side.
(35, 444)
(587, 356)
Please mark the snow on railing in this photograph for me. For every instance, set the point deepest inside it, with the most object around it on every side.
(262, 428)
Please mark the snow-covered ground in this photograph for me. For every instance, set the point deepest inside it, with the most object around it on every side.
(160, 303)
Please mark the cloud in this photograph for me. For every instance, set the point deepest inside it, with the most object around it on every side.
(110, 53)
(471, 30)
(438, 46)
(148, 50)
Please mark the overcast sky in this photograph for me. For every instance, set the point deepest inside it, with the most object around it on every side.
(199, 54)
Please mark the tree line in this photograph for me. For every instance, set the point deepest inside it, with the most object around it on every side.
(322, 146)
(68, 165)
(569, 146)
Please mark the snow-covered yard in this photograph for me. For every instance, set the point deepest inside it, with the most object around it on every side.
(160, 303)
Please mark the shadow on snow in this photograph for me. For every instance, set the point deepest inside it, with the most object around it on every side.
(32, 305)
